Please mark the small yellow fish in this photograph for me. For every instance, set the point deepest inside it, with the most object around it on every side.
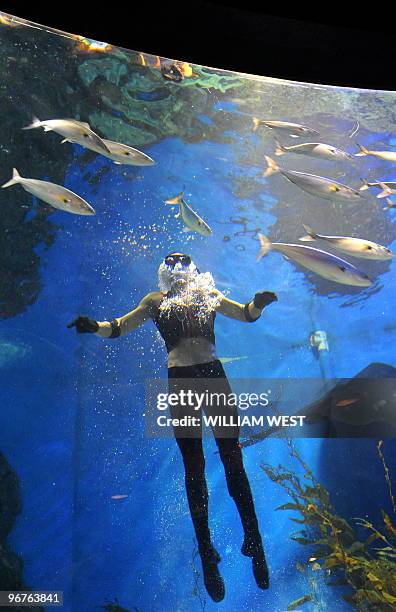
(346, 402)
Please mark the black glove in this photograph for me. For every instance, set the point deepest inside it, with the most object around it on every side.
(84, 325)
(264, 298)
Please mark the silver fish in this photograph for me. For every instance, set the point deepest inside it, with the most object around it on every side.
(314, 149)
(55, 195)
(385, 155)
(292, 129)
(315, 185)
(324, 264)
(123, 154)
(388, 187)
(73, 130)
(191, 219)
(357, 247)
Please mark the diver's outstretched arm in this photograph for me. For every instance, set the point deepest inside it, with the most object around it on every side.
(249, 312)
(120, 325)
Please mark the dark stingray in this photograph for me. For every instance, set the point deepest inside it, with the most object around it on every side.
(360, 407)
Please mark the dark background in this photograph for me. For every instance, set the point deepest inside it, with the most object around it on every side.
(324, 45)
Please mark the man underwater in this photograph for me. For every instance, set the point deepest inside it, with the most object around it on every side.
(184, 312)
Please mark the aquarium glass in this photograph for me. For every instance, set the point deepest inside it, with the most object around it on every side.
(92, 490)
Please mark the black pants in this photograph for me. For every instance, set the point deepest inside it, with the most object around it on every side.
(199, 378)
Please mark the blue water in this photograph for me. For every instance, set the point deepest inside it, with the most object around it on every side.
(72, 420)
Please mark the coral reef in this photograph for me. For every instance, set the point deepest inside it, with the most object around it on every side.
(366, 568)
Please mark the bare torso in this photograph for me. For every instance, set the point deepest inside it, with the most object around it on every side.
(191, 351)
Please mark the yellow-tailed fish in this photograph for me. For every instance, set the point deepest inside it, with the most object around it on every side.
(73, 131)
(324, 264)
(314, 149)
(191, 219)
(357, 247)
(292, 129)
(388, 187)
(315, 185)
(55, 195)
(385, 155)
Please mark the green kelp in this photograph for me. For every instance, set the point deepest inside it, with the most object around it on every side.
(298, 602)
(367, 568)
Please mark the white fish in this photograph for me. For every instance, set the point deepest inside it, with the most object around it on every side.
(324, 264)
(118, 152)
(314, 149)
(357, 247)
(73, 131)
(191, 219)
(55, 195)
(123, 154)
(293, 129)
(388, 187)
(315, 185)
(385, 155)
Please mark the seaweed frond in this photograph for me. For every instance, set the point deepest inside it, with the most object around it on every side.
(367, 567)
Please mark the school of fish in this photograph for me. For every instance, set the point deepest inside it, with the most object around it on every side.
(326, 265)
